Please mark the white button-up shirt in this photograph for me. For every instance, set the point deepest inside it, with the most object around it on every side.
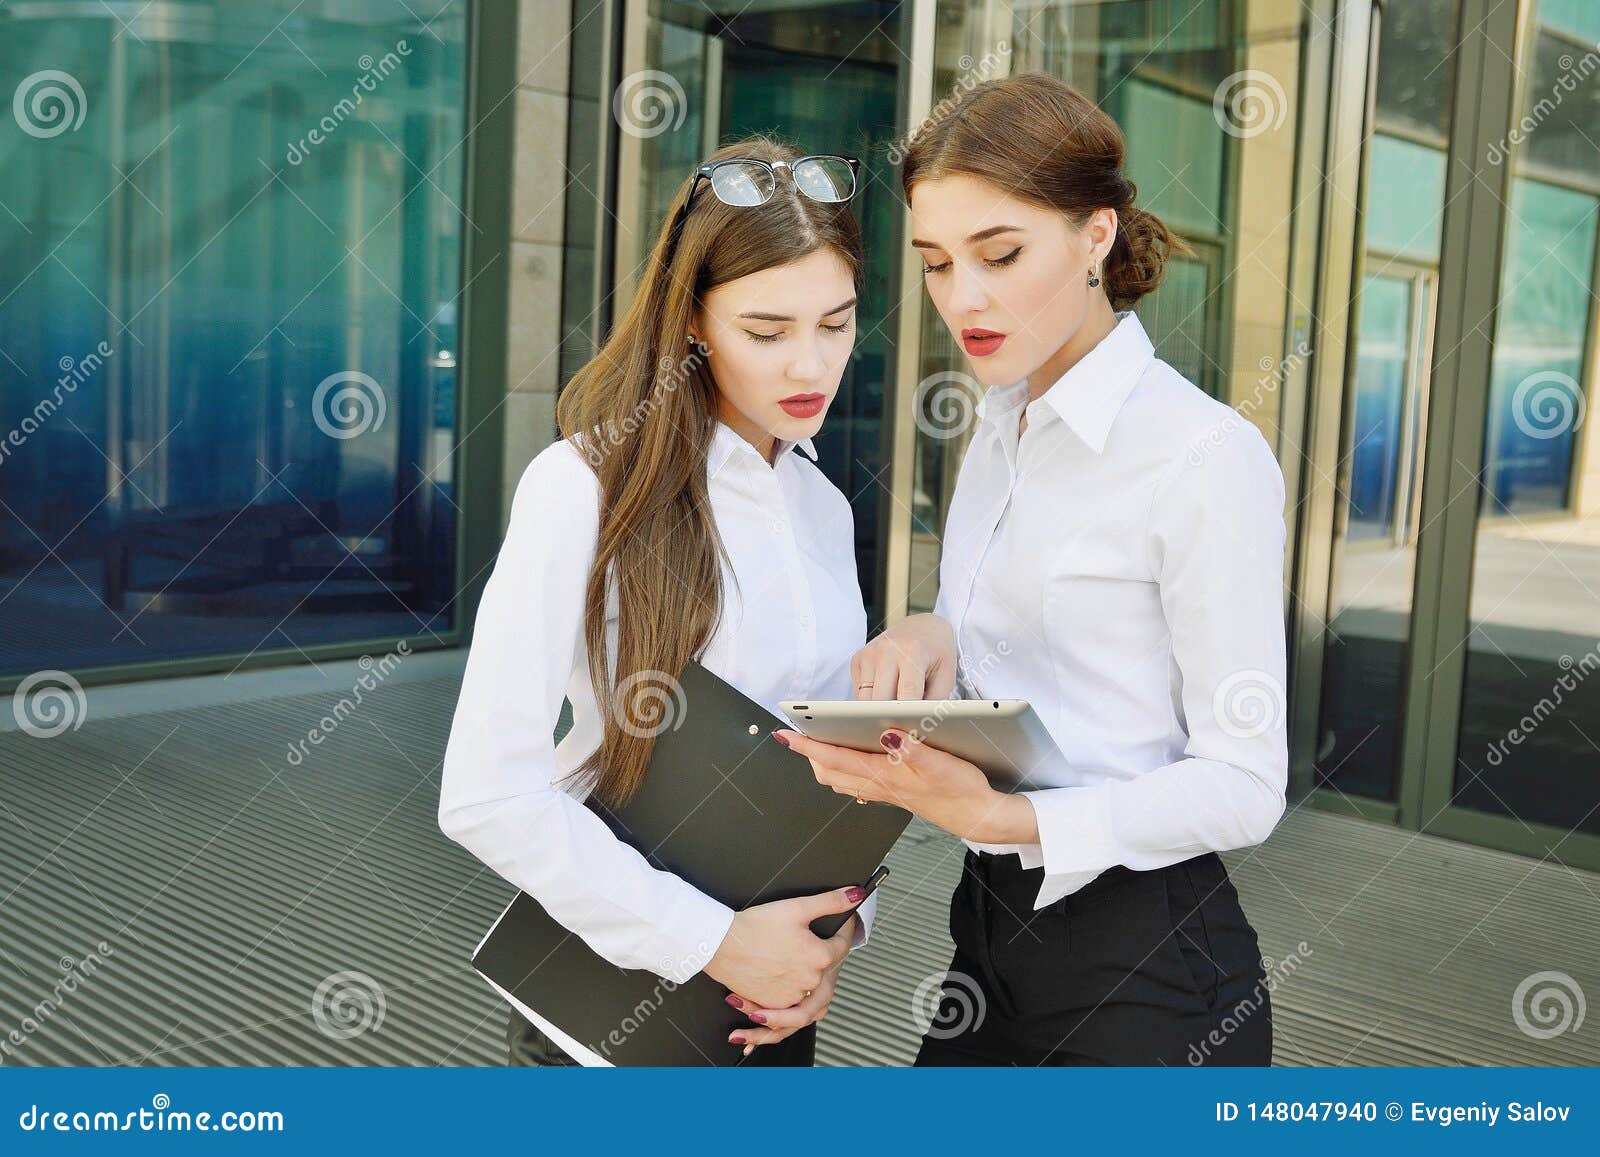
(792, 619)
(1120, 567)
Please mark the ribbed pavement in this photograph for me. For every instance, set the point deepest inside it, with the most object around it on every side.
(257, 910)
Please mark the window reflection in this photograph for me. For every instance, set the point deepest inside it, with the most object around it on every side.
(258, 220)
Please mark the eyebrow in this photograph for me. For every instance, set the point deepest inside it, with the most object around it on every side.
(980, 235)
(841, 307)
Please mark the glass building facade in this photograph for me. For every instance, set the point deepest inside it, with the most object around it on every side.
(1393, 211)
(232, 255)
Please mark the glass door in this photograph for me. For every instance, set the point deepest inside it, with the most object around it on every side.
(826, 78)
(1364, 661)
(1209, 95)
(1459, 682)
(1523, 767)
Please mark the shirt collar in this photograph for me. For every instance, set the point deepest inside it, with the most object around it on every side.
(1088, 396)
(725, 441)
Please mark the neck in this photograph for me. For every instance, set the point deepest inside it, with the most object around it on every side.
(1100, 320)
(763, 440)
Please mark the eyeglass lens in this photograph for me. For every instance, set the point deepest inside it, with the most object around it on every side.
(820, 178)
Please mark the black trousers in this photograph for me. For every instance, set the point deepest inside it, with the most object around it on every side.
(1135, 968)
(528, 1044)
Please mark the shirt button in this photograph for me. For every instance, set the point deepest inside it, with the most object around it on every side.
(778, 526)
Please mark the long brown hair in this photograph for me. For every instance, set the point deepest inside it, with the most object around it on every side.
(1042, 140)
(643, 412)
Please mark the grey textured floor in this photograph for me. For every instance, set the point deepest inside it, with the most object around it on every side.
(208, 901)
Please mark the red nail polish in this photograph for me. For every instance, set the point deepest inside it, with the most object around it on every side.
(734, 1000)
(855, 895)
(890, 739)
(736, 1039)
(781, 739)
(758, 1017)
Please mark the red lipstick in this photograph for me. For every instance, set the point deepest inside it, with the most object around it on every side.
(980, 343)
(804, 405)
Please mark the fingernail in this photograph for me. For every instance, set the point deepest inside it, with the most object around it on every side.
(734, 1000)
(855, 895)
(758, 1017)
(736, 1039)
(781, 738)
(890, 739)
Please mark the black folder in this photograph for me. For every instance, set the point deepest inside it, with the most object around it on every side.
(737, 814)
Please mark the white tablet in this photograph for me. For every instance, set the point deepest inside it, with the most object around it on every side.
(1004, 737)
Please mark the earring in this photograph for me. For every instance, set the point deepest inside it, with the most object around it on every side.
(1094, 276)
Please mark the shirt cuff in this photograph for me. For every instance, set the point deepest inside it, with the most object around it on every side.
(1075, 834)
(1028, 855)
(867, 910)
(703, 924)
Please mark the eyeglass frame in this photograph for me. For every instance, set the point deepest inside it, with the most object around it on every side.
(704, 172)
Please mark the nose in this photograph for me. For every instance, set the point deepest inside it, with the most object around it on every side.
(967, 293)
(808, 364)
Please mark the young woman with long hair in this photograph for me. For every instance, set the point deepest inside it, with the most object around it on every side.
(676, 519)
(1114, 555)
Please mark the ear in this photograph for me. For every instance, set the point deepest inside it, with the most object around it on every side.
(1103, 231)
(698, 327)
